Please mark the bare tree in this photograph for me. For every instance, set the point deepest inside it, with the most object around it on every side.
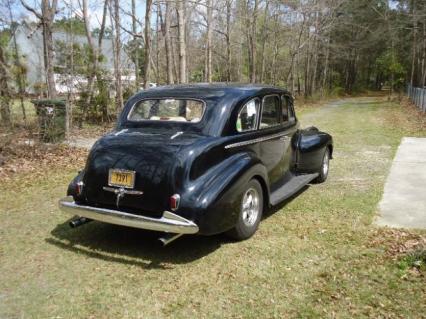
(135, 41)
(5, 95)
(180, 10)
(46, 17)
(208, 50)
(264, 40)
(115, 17)
(94, 51)
(251, 33)
(20, 74)
(168, 44)
(228, 40)
(147, 60)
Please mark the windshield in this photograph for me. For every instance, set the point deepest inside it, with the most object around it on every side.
(177, 110)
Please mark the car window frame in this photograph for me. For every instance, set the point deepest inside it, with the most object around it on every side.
(287, 104)
(293, 119)
(256, 126)
(165, 98)
(280, 122)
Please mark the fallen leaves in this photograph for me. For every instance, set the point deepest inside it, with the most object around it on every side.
(396, 242)
(19, 155)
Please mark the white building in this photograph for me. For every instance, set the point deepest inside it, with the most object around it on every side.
(30, 48)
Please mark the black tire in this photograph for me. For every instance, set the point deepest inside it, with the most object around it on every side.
(325, 165)
(248, 221)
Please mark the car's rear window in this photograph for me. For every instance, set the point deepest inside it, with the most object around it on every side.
(178, 110)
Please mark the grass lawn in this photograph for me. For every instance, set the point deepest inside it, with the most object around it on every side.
(317, 255)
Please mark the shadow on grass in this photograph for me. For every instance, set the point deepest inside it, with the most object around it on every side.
(137, 247)
(132, 246)
(274, 209)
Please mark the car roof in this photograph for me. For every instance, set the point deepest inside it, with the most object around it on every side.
(210, 90)
(221, 100)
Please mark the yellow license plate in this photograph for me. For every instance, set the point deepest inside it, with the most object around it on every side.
(121, 178)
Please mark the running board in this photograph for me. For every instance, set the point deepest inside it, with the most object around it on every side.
(291, 187)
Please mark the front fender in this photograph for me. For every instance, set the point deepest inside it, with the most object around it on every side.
(213, 199)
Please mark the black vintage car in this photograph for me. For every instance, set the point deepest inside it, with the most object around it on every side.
(199, 159)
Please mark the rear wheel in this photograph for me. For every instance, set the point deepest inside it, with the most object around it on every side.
(251, 209)
(323, 172)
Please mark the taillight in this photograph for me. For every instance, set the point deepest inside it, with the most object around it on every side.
(79, 188)
(174, 202)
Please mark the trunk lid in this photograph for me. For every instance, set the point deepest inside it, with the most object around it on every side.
(153, 155)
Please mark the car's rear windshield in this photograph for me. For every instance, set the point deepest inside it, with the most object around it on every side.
(167, 109)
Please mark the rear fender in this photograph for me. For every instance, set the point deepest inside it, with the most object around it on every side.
(310, 145)
(213, 199)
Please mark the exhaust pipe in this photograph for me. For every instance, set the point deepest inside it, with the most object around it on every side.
(79, 221)
(168, 238)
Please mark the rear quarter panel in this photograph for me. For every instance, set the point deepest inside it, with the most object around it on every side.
(310, 146)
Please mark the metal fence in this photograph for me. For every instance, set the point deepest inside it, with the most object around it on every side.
(417, 96)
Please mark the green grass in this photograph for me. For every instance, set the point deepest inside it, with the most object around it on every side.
(312, 257)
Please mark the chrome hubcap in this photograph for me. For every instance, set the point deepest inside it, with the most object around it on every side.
(250, 207)
(325, 164)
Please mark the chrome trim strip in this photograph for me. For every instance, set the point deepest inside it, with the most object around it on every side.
(169, 222)
(256, 140)
(176, 135)
(122, 190)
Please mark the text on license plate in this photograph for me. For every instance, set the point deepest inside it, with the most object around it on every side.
(121, 178)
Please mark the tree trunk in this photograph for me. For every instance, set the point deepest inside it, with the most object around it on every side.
(48, 13)
(264, 39)
(414, 43)
(168, 44)
(228, 40)
(251, 27)
(4, 90)
(324, 79)
(117, 59)
(101, 84)
(180, 9)
(20, 76)
(307, 68)
(147, 60)
(423, 80)
(93, 65)
(208, 55)
(135, 40)
(315, 52)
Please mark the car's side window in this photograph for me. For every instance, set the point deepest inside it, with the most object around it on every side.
(291, 114)
(271, 113)
(284, 107)
(248, 116)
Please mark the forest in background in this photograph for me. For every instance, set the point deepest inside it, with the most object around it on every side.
(315, 48)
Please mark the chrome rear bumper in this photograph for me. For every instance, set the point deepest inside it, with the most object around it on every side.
(169, 222)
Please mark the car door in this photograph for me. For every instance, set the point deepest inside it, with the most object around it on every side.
(289, 128)
(272, 144)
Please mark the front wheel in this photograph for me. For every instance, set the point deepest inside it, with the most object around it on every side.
(251, 210)
(323, 172)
